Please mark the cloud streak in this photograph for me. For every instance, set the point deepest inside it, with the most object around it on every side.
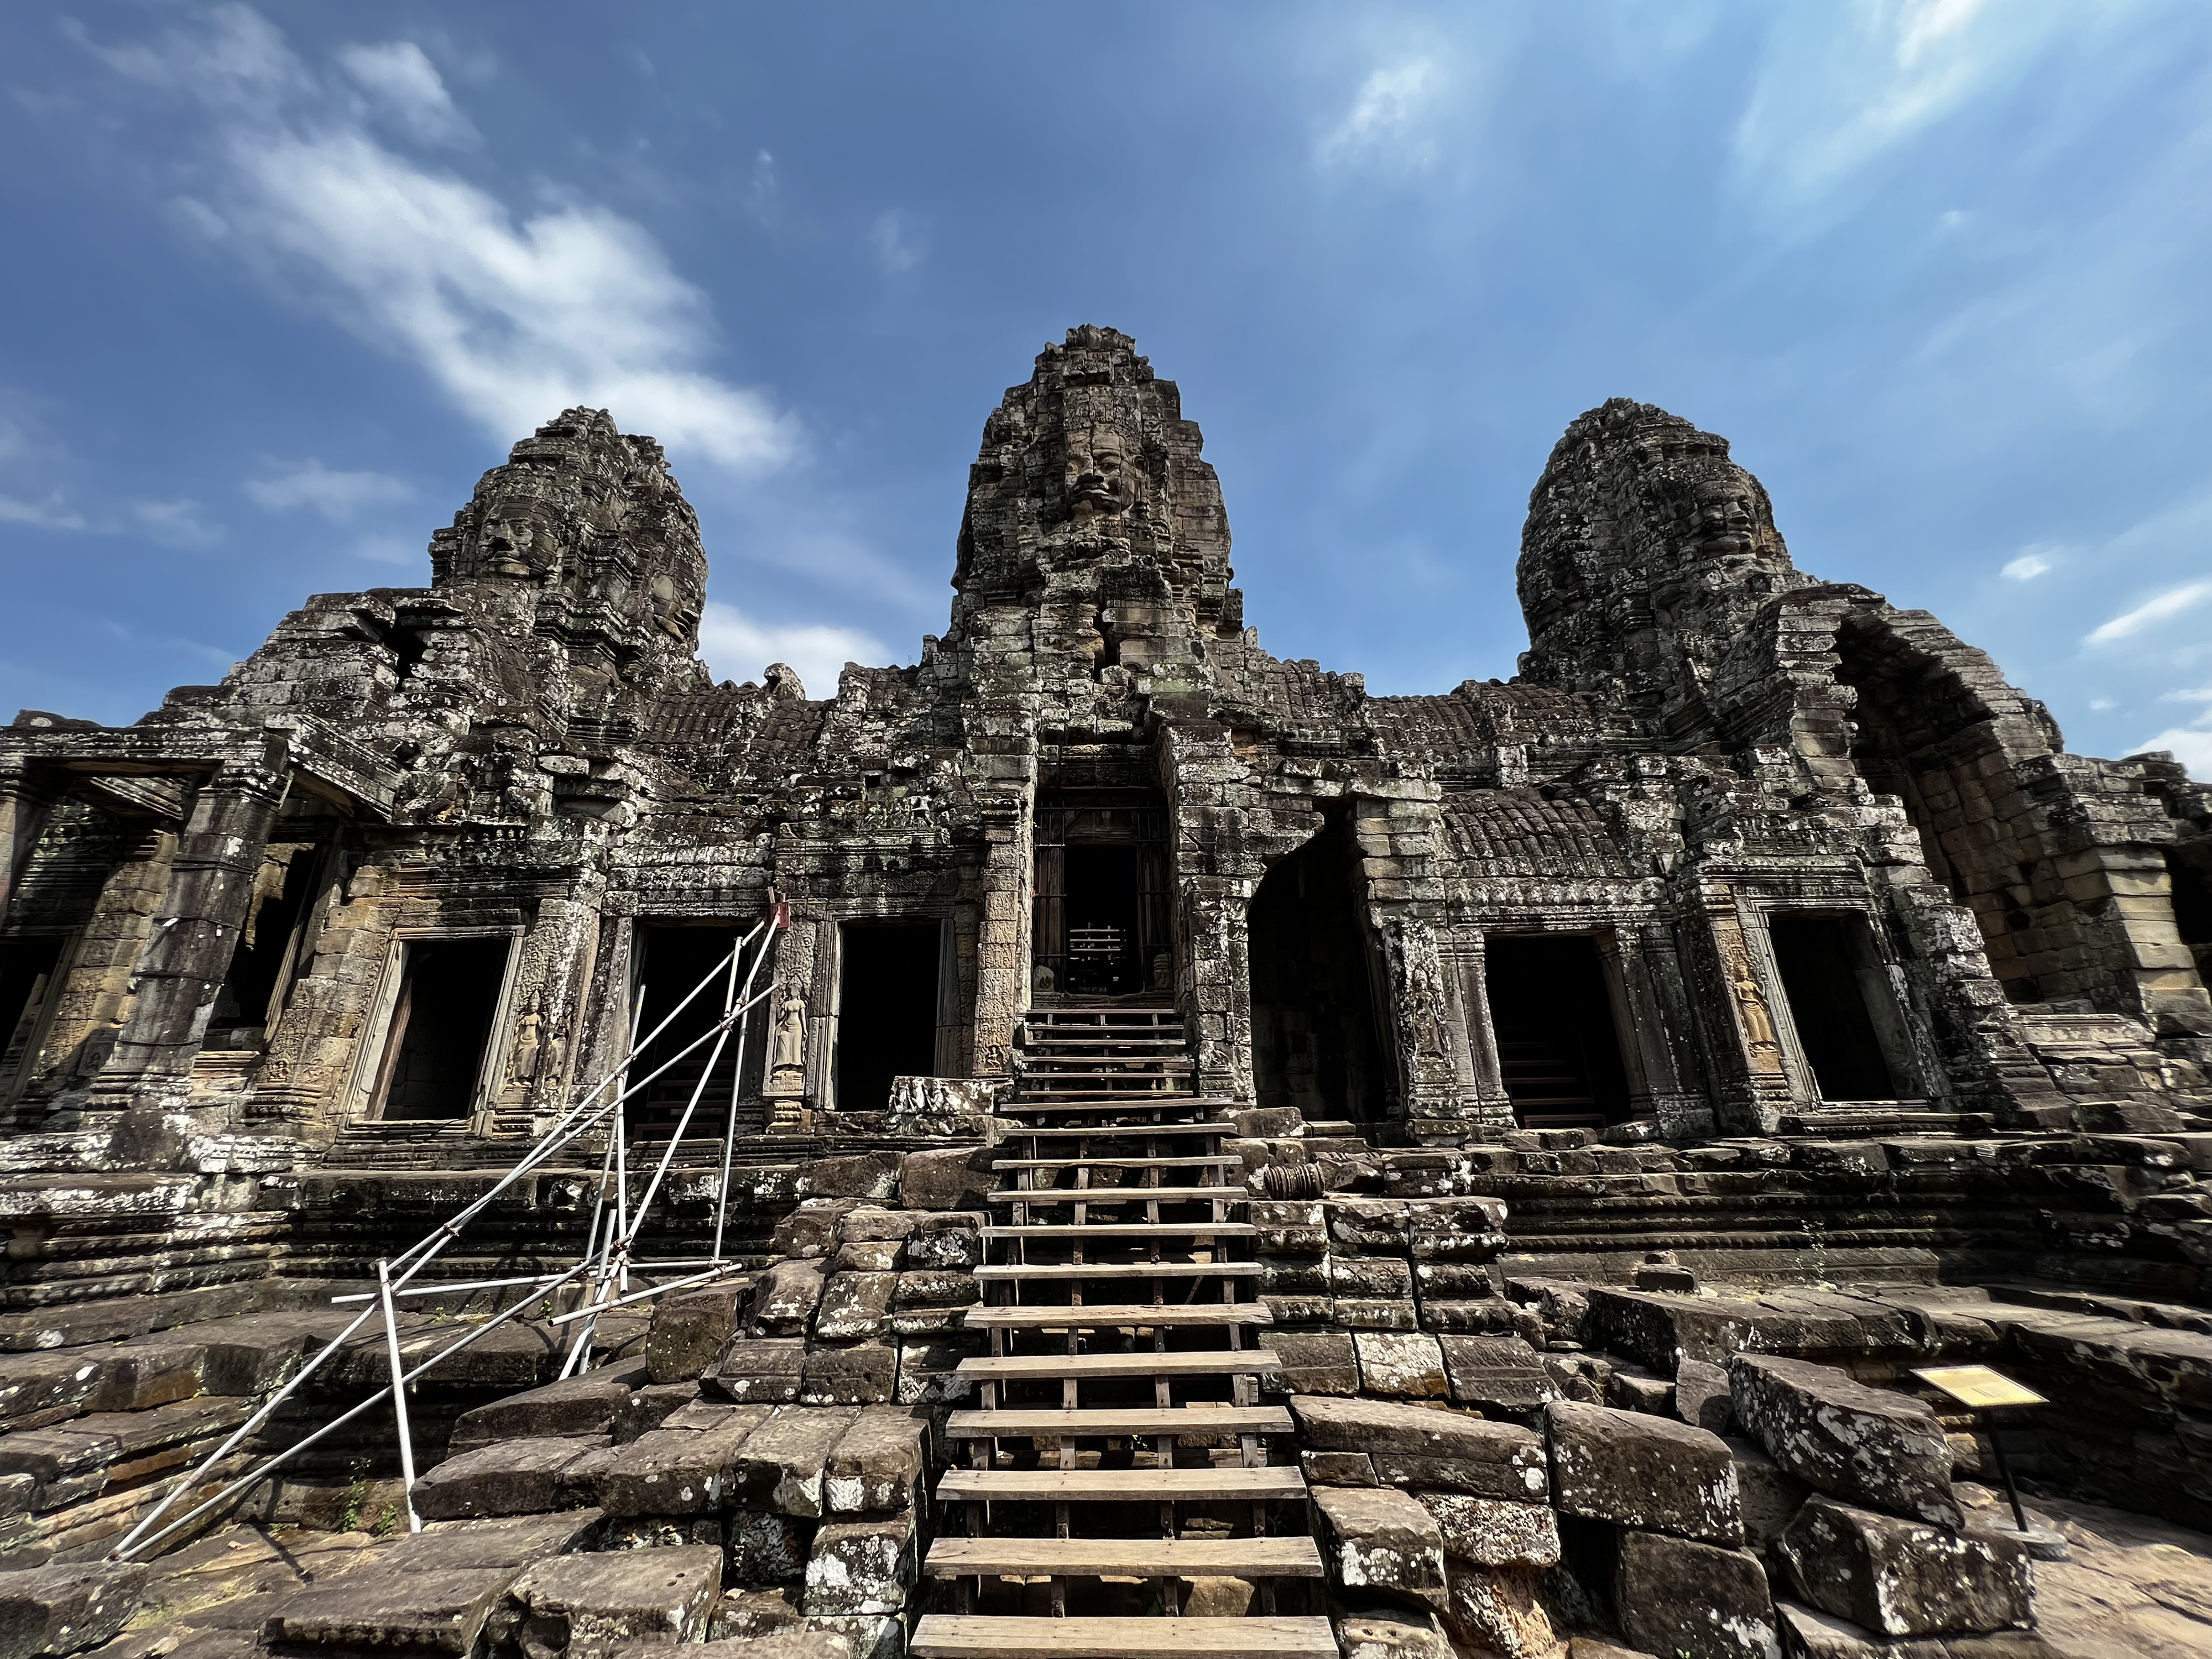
(2159, 607)
(336, 495)
(511, 316)
(1384, 120)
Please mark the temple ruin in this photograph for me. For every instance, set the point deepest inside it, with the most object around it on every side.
(1216, 1160)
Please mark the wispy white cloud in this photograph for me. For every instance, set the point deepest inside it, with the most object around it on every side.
(50, 514)
(513, 315)
(406, 88)
(390, 550)
(336, 495)
(174, 524)
(2032, 562)
(2159, 607)
(1386, 120)
(1841, 86)
(897, 248)
(737, 648)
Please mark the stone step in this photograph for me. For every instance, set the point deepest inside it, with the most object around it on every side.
(1017, 1271)
(1010, 1423)
(960, 1636)
(1090, 1367)
(1134, 1558)
(1120, 1485)
(1127, 1316)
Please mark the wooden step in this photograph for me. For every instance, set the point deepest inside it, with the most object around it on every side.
(1134, 1557)
(1125, 1315)
(1210, 1161)
(974, 1636)
(1189, 1102)
(1020, 1423)
(1118, 1194)
(1120, 1485)
(1115, 1131)
(1020, 1270)
(1084, 1367)
(1075, 1232)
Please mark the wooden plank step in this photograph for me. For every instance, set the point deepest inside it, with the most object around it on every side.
(1191, 1101)
(1047, 1367)
(1020, 1423)
(1115, 1130)
(1070, 1232)
(1124, 1316)
(1121, 1485)
(975, 1636)
(1135, 1558)
(1207, 1161)
(1118, 1194)
(1026, 1270)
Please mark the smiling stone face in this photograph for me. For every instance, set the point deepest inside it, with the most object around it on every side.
(515, 540)
(1097, 473)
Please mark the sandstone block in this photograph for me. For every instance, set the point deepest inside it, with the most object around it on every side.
(929, 1372)
(1407, 1365)
(1770, 1496)
(860, 1175)
(850, 1374)
(1490, 1532)
(782, 1464)
(648, 1407)
(584, 1603)
(747, 1614)
(1338, 1468)
(801, 1642)
(1702, 1395)
(767, 1548)
(1632, 1469)
(689, 1330)
(1393, 1633)
(1313, 1362)
(582, 1405)
(1496, 1373)
(868, 1635)
(812, 1229)
(761, 1370)
(784, 1302)
(510, 1477)
(1498, 1610)
(1902, 1577)
(952, 1178)
(877, 1465)
(1809, 1634)
(1681, 1598)
(860, 1567)
(677, 1471)
(441, 1610)
(66, 1610)
(1383, 1539)
(1864, 1445)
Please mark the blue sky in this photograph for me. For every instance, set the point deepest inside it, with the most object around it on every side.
(281, 282)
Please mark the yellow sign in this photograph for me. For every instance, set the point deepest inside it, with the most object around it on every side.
(1978, 1386)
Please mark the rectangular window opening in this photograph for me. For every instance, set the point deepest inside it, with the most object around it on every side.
(1557, 1050)
(1838, 994)
(886, 1009)
(434, 1047)
(247, 1004)
(672, 960)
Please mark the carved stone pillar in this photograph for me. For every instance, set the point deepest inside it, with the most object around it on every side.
(1435, 1105)
(1217, 924)
(196, 929)
(1753, 1085)
(23, 809)
(1645, 973)
(1002, 943)
(1466, 958)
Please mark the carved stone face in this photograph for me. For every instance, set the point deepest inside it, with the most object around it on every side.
(674, 612)
(1098, 474)
(511, 542)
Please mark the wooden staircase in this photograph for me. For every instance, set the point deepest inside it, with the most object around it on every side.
(1119, 1448)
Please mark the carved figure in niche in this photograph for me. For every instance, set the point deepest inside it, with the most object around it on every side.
(1758, 1030)
(788, 1050)
(526, 1048)
(1099, 478)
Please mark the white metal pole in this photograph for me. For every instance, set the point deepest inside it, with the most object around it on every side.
(398, 1394)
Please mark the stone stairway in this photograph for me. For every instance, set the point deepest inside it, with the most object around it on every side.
(1119, 1453)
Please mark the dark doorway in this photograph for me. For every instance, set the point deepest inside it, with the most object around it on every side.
(26, 977)
(1551, 1012)
(433, 1051)
(2190, 867)
(886, 1009)
(1102, 909)
(1314, 1042)
(247, 1004)
(671, 961)
(1830, 975)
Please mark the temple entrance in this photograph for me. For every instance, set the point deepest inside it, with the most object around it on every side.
(1102, 927)
(886, 1009)
(1559, 1050)
(26, 977)
(1839, 999)
(1314, 1039)
(262, 966)
(670, 959)
(435, 1046)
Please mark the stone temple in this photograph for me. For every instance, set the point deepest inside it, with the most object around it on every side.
(1216, 1160)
